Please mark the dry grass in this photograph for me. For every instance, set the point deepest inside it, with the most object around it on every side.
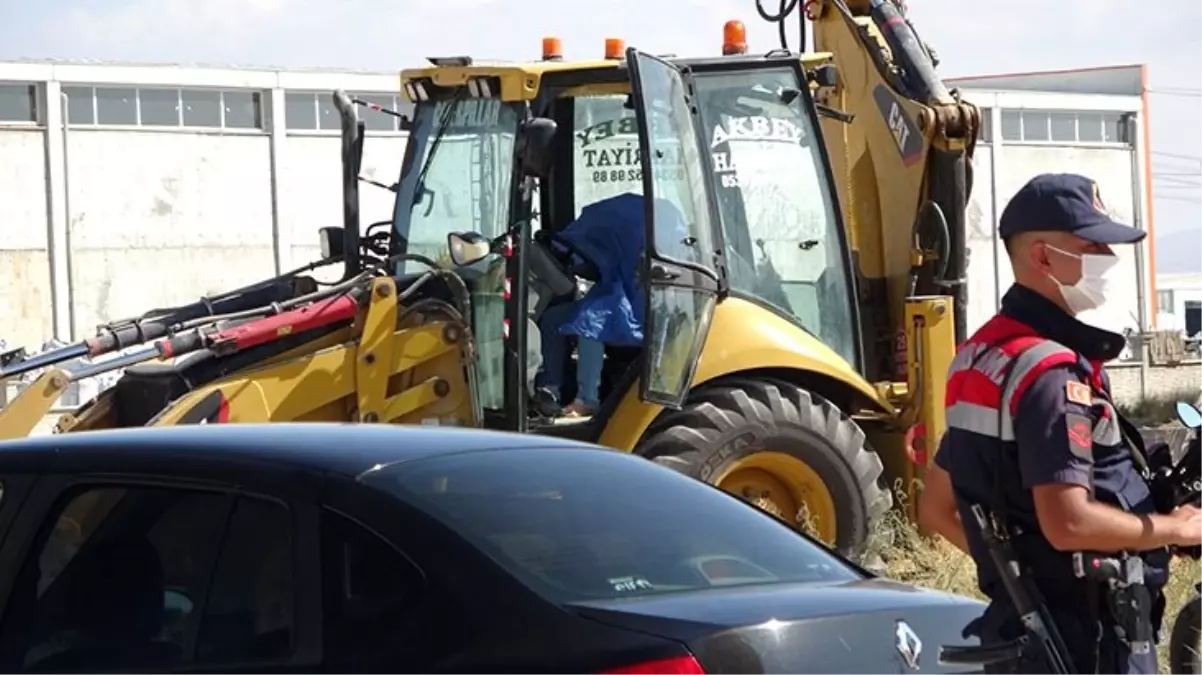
(1157, 409)
(934, 563)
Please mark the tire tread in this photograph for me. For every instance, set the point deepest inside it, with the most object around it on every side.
(686, 440)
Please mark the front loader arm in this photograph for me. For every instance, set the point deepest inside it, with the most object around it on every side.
(903, 165)
(411, 373)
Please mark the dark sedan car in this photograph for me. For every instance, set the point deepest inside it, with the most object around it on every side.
(307, 548)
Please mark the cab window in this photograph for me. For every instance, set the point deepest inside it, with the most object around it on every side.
(607, 163)
(605, 149)
(783, 243)
(125, 577)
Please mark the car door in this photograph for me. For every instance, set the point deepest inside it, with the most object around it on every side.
(153, 573)
(395, 596)
(680, 264)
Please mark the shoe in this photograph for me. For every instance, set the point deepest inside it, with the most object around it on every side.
(546, 403)
(578, 409)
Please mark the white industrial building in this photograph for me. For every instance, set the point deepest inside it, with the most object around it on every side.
(129, 187)
(1089, 121)
(1179, 299)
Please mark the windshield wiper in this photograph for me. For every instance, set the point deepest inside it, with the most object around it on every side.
(443, 126)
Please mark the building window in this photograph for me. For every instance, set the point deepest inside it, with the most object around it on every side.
(1089, 127)
(116, 106)
(312, 111)
(300, 111)
(1035, 125)
(159, 107)
(81, 105)
(1063, 126)
(1012, 125)
(1114, 129)
(164, 107)
(243, 109)
(1164, 302)
(201, 108)
(327, 114)
(985, 132)
(18, 103)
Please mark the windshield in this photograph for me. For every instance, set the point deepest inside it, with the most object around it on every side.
(784, 244)
(465, 187)
(563, 521)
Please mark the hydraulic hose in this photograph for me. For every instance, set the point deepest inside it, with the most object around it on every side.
(787, 7)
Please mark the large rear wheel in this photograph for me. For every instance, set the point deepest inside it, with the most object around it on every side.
(782, 448)
(1185, 642)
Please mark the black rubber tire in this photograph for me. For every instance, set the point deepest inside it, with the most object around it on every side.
(724, 422)
(1183, 641)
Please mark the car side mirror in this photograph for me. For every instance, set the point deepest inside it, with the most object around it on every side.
(534, 150)
(1189, 415)
(467, 248)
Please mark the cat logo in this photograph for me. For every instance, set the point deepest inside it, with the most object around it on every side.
(901, 127)
(1097, 200)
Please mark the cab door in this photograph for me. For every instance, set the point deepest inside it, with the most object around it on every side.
(679, 275)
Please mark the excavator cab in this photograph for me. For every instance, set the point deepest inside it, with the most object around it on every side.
(737, 201)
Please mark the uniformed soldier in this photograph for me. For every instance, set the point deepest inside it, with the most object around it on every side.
(1032, 433)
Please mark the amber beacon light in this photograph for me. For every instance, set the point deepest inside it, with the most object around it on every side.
(552, 49)
(614, 47)
(734, 38)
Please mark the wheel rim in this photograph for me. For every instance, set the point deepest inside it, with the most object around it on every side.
(786, 487)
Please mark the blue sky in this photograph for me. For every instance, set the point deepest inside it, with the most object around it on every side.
(972, 37)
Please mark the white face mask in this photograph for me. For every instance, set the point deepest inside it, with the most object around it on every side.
(1090, 290)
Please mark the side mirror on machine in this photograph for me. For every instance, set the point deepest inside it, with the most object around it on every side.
(826, 75)
(534, 149)
(467, 248)
(332, 240)
(1189, 415)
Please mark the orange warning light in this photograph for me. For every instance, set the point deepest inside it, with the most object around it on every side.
(734, 38)
(552, 49)
(614, 47)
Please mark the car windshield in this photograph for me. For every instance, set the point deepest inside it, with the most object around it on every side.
(582, 524)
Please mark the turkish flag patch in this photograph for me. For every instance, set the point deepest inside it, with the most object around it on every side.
(1080, 435)
(1078, 392)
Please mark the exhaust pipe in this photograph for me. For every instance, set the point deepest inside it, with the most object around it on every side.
(352, 160)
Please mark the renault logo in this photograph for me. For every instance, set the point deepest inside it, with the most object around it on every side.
(908, 644)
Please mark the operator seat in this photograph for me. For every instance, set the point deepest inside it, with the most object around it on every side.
(551, 278)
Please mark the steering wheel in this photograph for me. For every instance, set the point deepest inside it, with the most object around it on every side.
(586, 268)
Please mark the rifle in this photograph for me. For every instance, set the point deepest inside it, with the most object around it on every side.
(1040, 629)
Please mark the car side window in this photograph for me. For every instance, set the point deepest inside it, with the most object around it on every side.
(120, 577)
(369, 591)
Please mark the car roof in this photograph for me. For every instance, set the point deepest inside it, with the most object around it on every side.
(344, 448)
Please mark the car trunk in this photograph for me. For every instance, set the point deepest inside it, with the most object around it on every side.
(856, 627)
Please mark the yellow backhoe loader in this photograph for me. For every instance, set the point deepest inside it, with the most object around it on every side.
(796, 334)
